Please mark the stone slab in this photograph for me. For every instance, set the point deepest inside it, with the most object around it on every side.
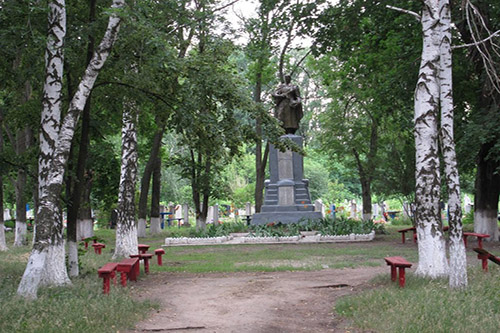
(284, 217)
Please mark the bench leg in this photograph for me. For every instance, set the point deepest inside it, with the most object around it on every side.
(402, 277)
(480, 242)
(465, 240)
(403, 237)
(414, 237)
(123, 279)
(393, 273)
(484, 261)
(105, 284)
(160, 263)
(146, 265)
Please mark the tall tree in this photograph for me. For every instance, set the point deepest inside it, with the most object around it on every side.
(3, 244)
(458, 261)
(367, 111)
(271, 35)
(75, 184)
(479, 27)
(46, 265)
(126, 229)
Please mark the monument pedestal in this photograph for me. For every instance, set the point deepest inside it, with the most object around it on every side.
(287, 198)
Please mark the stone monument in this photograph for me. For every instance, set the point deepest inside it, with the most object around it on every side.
(287, 198)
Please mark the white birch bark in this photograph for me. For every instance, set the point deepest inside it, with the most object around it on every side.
(85, 228)
(486, 223)
(73, 268)
(141, 228)
(46, 265)
(3, 243)
(20, 234)
(126, 230)
(431, 245)
(155, 226)
(458, 260)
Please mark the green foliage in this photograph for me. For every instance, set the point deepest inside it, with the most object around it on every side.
(401, 221)
(469, 218)
(427, 305)
(346, 226)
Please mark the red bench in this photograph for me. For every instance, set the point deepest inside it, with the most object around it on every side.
(414, 229)
(403, 232)
(107, 272)
(484, 255)
(98, 247)
(145, 257)
(401, 264)
(129, 268)
(143, 248)
(479, 238)
(159, 253)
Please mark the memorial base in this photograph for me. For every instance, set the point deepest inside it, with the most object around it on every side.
(285, 217)
(287, 198)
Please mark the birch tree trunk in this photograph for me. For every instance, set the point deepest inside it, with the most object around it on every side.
(46, 264)
(126, 229)
(458, 260)
(3, 244)
(431, 245)
(487, 194)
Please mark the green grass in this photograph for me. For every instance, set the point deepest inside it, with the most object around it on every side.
(427, 305)
(79, 308)
(423, 305)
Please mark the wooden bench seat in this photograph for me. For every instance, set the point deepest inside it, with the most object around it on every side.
(98, 247)
(145, 257)
(159, 253)
(107, 272)
(404, 231)
(479, 238)
(400, 263)
(143, 248)
(129, 269)
(484, 256)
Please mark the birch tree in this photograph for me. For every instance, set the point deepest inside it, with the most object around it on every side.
(434, 94)
(46, 264)
(458, 260)
(3, 244)
(126, 229)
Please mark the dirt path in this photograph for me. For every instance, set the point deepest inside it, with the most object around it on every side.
(251, 302)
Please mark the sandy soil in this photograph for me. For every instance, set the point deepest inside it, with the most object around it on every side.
(251, 302)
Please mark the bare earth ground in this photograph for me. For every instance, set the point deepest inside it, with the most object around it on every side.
(261, 302)
(251, 302)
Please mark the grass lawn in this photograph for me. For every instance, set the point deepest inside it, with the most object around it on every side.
(423, 305)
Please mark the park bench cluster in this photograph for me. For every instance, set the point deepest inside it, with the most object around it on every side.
(129, 268)
(479, 236)
(399, 264)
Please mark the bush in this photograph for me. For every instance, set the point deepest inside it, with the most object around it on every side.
(401, 221)
(468, 218)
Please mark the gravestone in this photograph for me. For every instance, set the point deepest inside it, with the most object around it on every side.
(216, 214)
(319, 207)
(210, 214)
(185, 215)
(353, 209)
(375, 210)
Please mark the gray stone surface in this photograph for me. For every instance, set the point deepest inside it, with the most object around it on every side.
(287, 198)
